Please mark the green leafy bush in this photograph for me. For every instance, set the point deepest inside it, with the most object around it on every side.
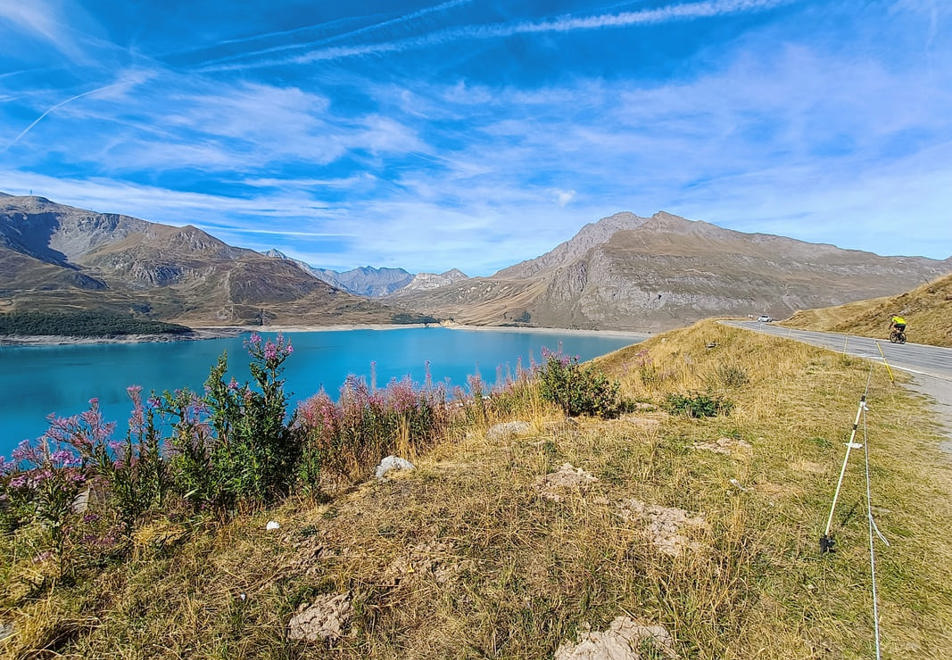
(577, 389)
(698, 404)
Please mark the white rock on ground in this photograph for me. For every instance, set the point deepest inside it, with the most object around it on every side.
(625, 639)
(664, 524)
(567, 478)
(507, 430)
(723, 446)
(393, 463)
(325, 619)
(272, 525)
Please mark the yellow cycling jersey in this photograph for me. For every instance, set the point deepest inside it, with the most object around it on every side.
(898, 320)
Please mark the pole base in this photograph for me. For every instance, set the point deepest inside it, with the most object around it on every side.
(826, 544)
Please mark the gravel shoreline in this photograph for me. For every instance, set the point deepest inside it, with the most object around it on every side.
(201, 333)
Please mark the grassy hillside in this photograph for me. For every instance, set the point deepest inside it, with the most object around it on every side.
(928, 310)
(474, 555)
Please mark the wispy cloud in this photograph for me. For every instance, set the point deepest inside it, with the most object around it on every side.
(349, 34)
(676, 12)
(51, 109)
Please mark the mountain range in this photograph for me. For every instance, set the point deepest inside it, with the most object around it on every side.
(374, 282)
(60, 258)
(622, 272)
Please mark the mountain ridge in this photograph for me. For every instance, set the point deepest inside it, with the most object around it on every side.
(57, 257)
(628, 272)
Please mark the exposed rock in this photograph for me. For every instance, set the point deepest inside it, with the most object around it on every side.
(567, 478)
(427, 281)
(325, 619)
(393, 463)
(625, 639)
(723, 446)
(6, 630)
(664, 524)
(506, 430)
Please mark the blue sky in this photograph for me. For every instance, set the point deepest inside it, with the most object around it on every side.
(475, 134)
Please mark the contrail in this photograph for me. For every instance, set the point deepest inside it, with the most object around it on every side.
(367, 28)
(55, 107)
(668, 13)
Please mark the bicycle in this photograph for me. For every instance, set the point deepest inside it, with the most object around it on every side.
(897, 336)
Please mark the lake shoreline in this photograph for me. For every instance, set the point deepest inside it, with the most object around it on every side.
(219, 332)
(197, 334)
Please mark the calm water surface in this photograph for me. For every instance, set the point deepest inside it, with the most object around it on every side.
(38, 380)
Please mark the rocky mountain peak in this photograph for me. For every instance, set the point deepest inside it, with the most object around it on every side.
(592, 234)
(428, 281)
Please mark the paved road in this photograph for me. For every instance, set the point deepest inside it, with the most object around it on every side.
(918, 358)
(931, 366)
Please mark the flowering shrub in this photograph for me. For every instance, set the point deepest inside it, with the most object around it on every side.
(347, 438)
(233, 445)
(49, 476)
(576, 389)
(134, 470)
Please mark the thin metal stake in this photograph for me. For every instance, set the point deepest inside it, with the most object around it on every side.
(872, 552)
(826, 542)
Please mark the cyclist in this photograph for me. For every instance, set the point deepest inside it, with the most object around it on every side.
(897, 324)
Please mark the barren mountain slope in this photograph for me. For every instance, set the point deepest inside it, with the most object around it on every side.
(927, 309)
(53, 255)
(626, 272)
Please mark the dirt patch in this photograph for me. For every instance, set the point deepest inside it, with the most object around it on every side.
(625, 639)
(566, 479)
(641, 421)
(664, 524)
(325, 619)
(436, 560)
(306, 557)
(724, 445)
(808, 466)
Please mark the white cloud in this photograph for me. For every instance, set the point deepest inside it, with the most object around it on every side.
(563, 197)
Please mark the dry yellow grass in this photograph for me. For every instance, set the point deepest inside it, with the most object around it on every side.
(928, 310)
(463, 558)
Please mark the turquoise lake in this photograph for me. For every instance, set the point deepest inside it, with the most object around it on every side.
(38, 380)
